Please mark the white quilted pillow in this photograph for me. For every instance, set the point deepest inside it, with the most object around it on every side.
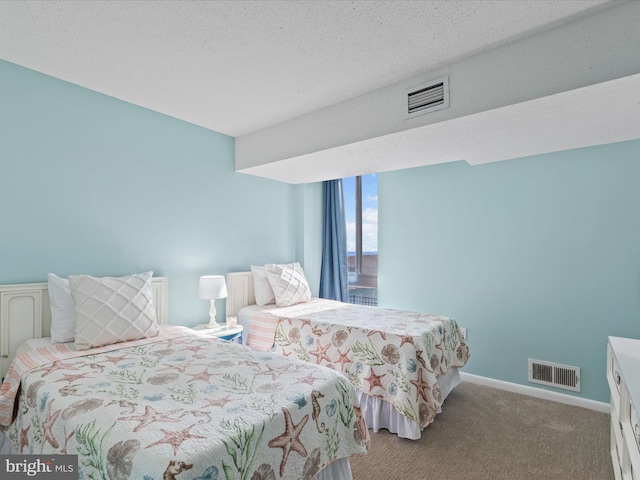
(112, 309)
(289, 284)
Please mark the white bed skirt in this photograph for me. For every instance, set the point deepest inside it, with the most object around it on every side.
(338, 470)
(380, 414)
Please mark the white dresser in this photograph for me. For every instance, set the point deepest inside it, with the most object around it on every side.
(623, 375)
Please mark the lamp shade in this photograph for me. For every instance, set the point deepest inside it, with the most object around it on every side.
(212, 287)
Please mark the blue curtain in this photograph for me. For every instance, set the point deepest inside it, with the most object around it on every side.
(333, 273)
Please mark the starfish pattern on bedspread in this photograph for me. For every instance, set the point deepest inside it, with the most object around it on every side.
(290, 439)
(309, 379)
(344, 358)
(175, 439)
(383, 352)
(374, 380)
(150, 416)
(47, 426)
(204, 375)
(72, 378)
(421, 386)
(306, 322)
(224, 408)
(406, 339)
(218, 402)
(275, 372)
(321, 352)
(56, 365)
(193, 348)
(373, 332)
(114, 360)
(180, 367)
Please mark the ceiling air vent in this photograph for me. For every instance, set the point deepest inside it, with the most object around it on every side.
(428, 97)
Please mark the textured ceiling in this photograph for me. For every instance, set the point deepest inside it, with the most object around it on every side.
(236, 67)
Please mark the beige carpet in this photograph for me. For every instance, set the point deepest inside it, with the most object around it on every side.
(484, 433)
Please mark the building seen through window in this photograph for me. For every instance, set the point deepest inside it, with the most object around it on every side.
(361, 212)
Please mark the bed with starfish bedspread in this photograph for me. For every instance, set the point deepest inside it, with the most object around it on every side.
(181, 405)
(403, 363)
(393, 356)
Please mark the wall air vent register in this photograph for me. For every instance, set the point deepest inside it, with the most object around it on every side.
(554, 375)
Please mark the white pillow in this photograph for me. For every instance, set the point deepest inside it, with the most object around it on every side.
(63, 315)
(112, 309)
(289, 284)
(261, 286)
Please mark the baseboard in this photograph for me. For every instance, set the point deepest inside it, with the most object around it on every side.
(537, 393)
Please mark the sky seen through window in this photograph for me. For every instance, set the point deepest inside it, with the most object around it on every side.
(369, 212)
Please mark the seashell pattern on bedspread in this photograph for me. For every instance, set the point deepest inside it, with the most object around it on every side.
(183, 405)
(390, 354)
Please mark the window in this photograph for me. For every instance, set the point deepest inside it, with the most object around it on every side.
(361, 212)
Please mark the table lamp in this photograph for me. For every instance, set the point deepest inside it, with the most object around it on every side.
(211, 288)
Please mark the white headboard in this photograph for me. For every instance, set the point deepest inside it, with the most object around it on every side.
(25, 314)
(239, 291)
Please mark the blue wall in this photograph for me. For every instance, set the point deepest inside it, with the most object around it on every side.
(90, 184)
(539, 257)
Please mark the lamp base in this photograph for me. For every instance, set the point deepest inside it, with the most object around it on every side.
(212, 325)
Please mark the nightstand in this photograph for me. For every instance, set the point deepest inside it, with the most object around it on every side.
(228, 334)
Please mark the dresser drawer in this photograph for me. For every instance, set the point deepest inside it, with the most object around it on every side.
(616, 376)
(616, 441)
(615, 381)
